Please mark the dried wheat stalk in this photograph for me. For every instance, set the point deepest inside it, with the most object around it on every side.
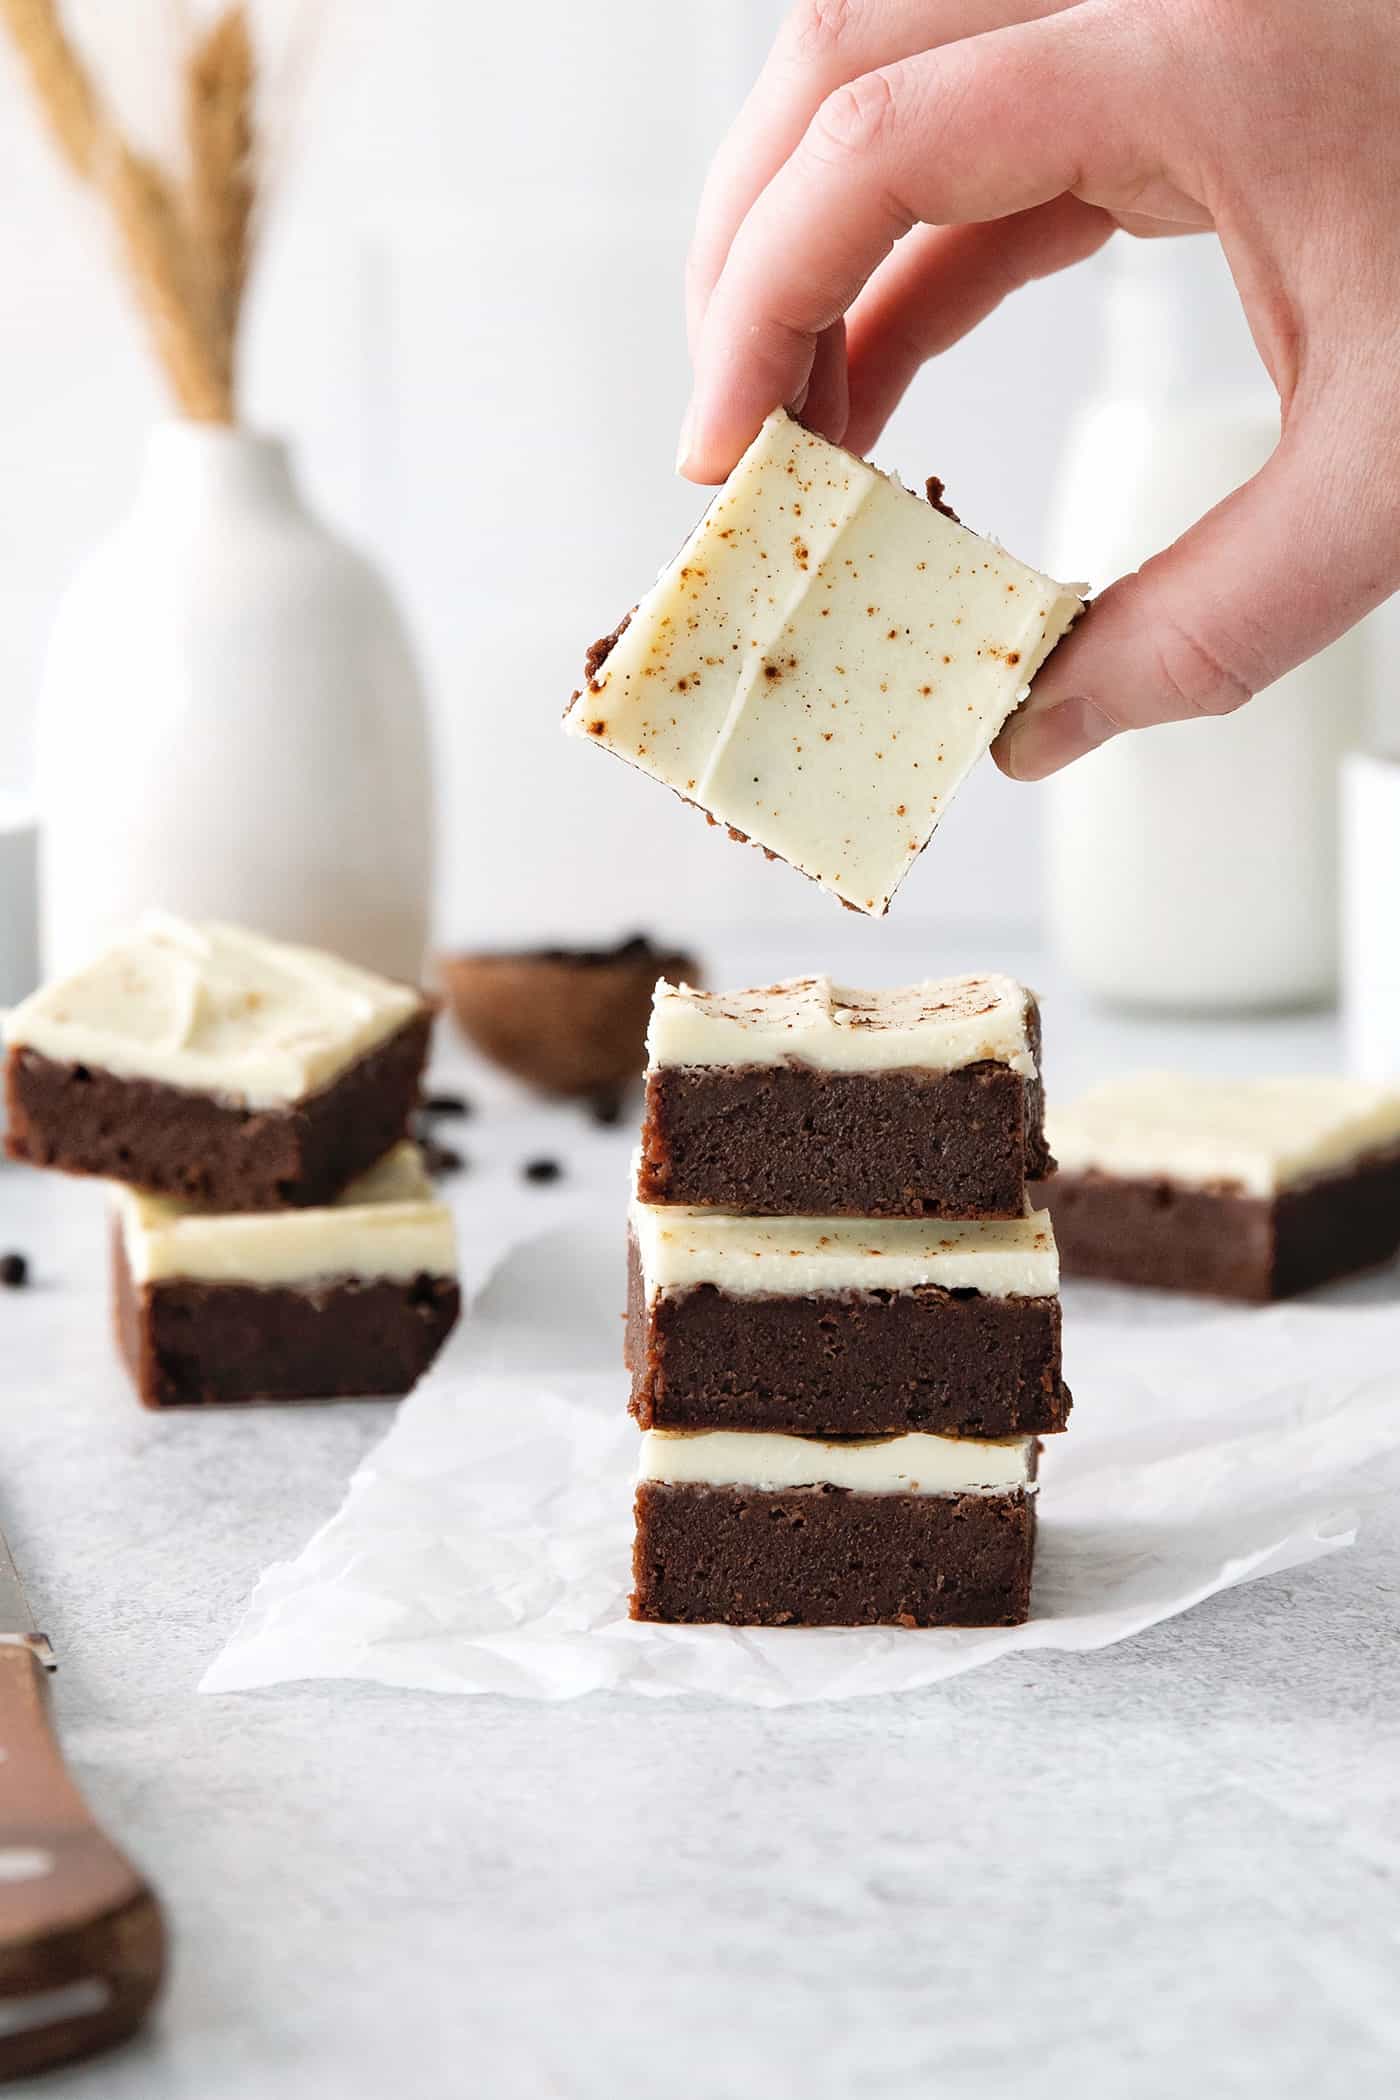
(219, 83)
(188, 290)
(58, 78)
(167, 286)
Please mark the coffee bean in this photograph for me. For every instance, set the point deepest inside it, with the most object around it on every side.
(441, 1159)
(445, 1105)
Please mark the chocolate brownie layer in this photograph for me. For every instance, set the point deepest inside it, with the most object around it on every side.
(789, 1140)
(807, 1141)
(828, 1556)
(1221, 1243)
(202, 1344)
(83, 1120)
(849, 1363)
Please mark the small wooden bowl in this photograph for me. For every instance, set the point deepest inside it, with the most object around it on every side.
(567, 1021)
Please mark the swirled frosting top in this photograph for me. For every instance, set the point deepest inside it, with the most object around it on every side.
(216, 1010)
(939, 1025)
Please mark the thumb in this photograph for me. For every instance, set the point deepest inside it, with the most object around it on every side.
(1267, 578)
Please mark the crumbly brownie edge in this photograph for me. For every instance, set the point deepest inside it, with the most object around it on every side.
(190, 1344)
(793, 1140)
(82, 1120)
(1039, 1161)
(635, 1351)
(825, 1556)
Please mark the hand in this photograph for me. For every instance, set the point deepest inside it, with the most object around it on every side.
(902, 165)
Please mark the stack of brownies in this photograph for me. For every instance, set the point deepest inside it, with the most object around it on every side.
(844, 1323)
(275, 1235)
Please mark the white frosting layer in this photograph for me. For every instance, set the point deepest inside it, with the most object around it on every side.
(216, 1010)
(781, 1257)
(889, 1465)
(388, 1225)
(939, 1025)
(1258, 1135)
(823, 662)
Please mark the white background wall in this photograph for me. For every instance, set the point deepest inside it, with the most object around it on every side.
(469, 317)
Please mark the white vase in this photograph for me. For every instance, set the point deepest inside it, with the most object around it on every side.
(232, 723)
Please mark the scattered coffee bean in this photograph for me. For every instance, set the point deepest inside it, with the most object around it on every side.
(542, 1170)
(606, 1109)
(445, 1105)
(441, 1159)
(14, 1271)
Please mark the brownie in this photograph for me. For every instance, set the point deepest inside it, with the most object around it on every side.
(830, 1556)
(794, 1141)
(818, 672)
(1221, 1242)
(191, 1343)
(848, 1363)
(175, 1141)
(810, 1098)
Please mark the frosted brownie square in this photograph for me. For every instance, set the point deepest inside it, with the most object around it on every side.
(807, 1099)
(823, 663)
(1247, 1188)
(753, 1530)
(352, 1299)
(206, 1062)
(844, 1327)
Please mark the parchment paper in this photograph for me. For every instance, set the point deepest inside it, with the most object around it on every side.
(484, 1546)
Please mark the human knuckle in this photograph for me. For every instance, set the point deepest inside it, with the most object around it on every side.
(1205, 677)
(819, 28)
(857, 118)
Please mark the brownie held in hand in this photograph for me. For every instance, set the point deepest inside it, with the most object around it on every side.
(806, 1099)
(823, 663)
(209, 1063)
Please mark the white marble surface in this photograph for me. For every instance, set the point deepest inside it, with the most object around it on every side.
(1173, 1864)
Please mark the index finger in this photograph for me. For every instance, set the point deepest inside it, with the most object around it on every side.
(821, 45)
(973, 131)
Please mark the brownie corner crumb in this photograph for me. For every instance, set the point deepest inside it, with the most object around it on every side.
(598, 652)
(441, 1160)
(933, 489)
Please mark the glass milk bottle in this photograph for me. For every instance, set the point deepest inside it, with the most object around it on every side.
(1192, 866)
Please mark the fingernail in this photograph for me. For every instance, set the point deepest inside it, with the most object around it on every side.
(683, 449)
(1037, 743)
